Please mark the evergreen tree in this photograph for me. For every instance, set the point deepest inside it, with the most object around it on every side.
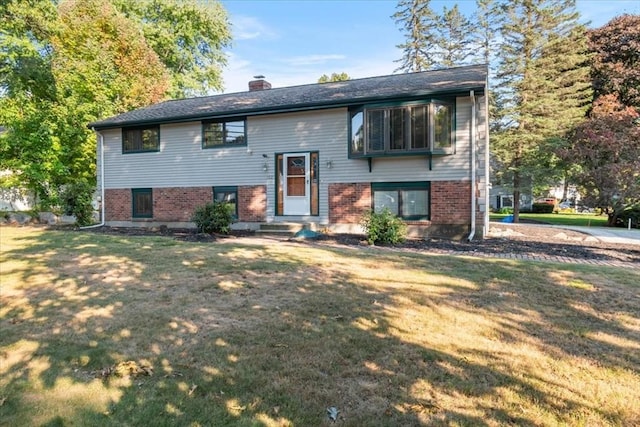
(543, 84)
(486, 25)
(419, 25)
(453, 37)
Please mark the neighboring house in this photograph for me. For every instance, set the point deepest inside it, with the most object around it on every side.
(416, 143)
(502, 197)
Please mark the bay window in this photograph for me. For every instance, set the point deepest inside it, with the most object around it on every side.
(406, 129)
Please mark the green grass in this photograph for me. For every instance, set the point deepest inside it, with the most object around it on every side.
(259, 333)
(585, 220)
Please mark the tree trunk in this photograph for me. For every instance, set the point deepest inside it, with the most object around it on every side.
(516, 197)
(565, 189)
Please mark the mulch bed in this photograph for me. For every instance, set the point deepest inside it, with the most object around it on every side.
(534, 241)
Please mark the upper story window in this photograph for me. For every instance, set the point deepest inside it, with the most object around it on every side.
(141, 139)
(222, 133)
(407, 129)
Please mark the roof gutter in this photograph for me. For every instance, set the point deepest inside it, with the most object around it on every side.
(101, 153)
(473, 166)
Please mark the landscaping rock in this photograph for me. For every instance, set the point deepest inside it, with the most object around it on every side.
(19, 218)
(48, 218)
(67, 219)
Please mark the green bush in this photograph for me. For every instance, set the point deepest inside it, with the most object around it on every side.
(77, 199)
(383, 227)
(631, 213)
(506, 211)
(214, 217)
(544, 208)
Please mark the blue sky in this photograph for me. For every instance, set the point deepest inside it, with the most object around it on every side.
(294, 42)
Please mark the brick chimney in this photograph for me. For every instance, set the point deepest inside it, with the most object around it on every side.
(259, 84)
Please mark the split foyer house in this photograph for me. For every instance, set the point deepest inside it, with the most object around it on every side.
(321, 154)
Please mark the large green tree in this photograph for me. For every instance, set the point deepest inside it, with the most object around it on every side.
(189, 37)
(543, 85)
(64, 64)
(29, 147)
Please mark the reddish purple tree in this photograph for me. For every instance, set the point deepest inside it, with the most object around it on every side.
(606, 148)
(615, 66)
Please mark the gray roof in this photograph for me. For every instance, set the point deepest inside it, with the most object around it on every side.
(306, 97)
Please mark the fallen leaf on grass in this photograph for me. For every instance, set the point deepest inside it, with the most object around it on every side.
(129, 368)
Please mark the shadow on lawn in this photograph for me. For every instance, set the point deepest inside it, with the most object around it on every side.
(237, 339)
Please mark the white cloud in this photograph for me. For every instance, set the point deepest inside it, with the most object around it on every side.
(249, 27)
(305, 60)
(236, 74)
(239, 72)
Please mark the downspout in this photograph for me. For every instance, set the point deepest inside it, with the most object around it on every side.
(102, 210)
(487, 154)
(473, 166)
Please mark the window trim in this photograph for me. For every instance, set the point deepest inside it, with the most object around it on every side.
(141, 128)
(408, 150)
(224, 121)
(228, 189)
(134, 192)
(403, 186)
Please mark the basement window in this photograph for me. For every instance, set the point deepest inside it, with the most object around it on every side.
(407, 200)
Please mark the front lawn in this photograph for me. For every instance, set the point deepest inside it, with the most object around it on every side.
(584, 220)
(106, 330)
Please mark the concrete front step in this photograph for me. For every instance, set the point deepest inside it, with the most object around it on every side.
(279, 229)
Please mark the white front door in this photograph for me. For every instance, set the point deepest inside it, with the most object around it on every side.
(296, 184)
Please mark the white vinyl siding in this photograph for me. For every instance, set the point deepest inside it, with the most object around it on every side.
(181, 162)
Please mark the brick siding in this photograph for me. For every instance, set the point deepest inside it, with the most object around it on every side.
(252, 203)
(450, 202)
(347, 202)
(117, 204)
(177, 204)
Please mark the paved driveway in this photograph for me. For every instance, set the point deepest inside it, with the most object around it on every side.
(608, 234)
